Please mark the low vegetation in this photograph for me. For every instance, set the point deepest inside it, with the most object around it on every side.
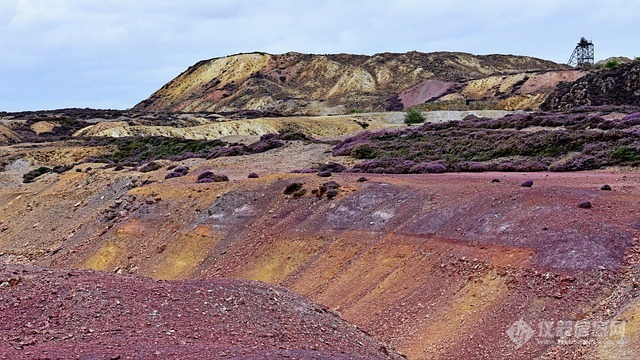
(134, 151)
(35, 173)
(612, 64)
(522, 142)
(413, 116)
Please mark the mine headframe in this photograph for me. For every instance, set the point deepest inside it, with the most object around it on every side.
(583, 54)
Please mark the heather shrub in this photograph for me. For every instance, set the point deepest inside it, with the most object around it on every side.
(305, 171)
(476, 167)
(428, 167)
(293, 187)
(332, 193)
(299, 193)
(631, 120)
(393, 103)
(477, 144)
(265, 145)
(292, 135)
(364, 151)
(209, 177)
(177, 172)
(33, 174)
(59, 169)
(139, 149)
(330, 185)
(332, 167)
(206, 175)
(150, 166)
(205, 181)
(385, 166)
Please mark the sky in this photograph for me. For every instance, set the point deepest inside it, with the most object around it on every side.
(112, 54)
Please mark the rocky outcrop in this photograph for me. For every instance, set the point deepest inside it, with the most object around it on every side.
(619, 86)
(313, 84)
(7, 136)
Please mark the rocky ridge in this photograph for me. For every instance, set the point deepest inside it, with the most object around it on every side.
(317, 84)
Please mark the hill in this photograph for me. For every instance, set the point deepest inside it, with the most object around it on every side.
(322, 84)
(610, 87)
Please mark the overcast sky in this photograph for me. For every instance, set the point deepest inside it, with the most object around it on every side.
(115, 53)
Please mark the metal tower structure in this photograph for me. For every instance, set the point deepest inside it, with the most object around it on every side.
(583, 54)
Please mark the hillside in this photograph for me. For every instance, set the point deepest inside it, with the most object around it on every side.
(322, 84)
(611, 87)
(426, 263)
(481, 233)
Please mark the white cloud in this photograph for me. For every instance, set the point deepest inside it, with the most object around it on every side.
(93, 53)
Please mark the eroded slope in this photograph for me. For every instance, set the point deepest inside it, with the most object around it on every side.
(303, 83)
(434, 265)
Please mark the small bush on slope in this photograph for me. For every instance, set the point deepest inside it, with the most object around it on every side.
(413, 116)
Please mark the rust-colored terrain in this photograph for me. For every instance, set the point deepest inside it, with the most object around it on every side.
(434, 265)
(251, 235)
(83, 314)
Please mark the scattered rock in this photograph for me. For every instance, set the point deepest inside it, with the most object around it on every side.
(528, 183)
(325, 174)
(498, 180)
(585, 204)
(291, 188)
(362, 179)
(606, 187)
(253, 176)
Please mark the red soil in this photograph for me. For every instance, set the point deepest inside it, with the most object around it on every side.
(84, 314)
(423, 92)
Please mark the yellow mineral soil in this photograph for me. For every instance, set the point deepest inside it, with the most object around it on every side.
(318, 127)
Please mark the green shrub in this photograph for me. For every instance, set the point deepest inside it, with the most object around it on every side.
(364, 151)
(413, 116)
(612, 64)
(625, 154)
